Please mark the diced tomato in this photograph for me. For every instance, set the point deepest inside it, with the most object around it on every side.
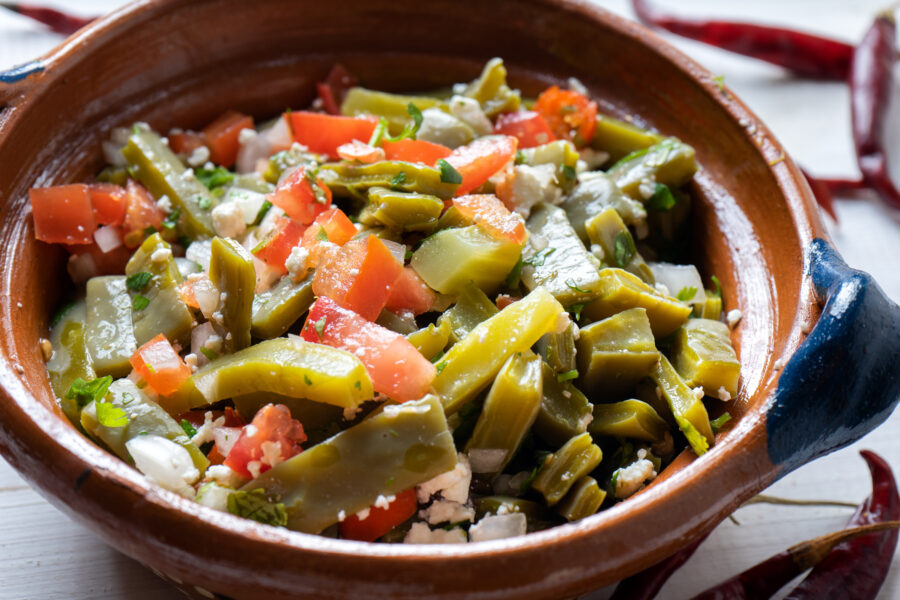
(336, 227)
(410, 293)
(324, 133)
(109, 202)
(397, 369)
(380, 520)
(504, 300)
(527, 126)
(360, 151)
(359, 277)
(415, 151)
(477, 161)
(185, 142)
(276, 248)
(222, 137)
(571, 115)
(215, 457)
(272, 437)
(334, 88)
(161, 367)
(142, 212)
(296, 196)
(63, 214)
(488, 212)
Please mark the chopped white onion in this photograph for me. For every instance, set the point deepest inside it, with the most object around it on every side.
(206, 294)
(200, 252)
(398, 250)
(253, 147)
(498, 527)
(678, 279)
(225, 438)
(108, 238)
(278, 136)
(186, 266)
(249, 202)
(199, 337)
(165, 462)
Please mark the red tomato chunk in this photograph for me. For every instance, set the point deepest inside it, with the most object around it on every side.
(272, 437)
(323, 134)
(63, 214)
(160, 365)
(299, 199)
(482, 158)
(529, 127)
(380, 520)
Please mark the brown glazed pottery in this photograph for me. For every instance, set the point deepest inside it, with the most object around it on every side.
(176, 63)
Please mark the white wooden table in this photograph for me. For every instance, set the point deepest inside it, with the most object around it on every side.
(44, 556)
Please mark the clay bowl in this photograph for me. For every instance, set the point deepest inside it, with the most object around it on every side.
(814, 377)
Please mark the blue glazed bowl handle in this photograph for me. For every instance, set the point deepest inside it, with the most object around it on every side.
(844, 380)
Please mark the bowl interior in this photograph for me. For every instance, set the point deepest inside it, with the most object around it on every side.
(174, 64)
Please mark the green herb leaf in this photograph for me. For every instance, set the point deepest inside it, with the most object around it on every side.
(213, 178)
(188, 428)
(718, 285)
(210, 354)
(379, 133)
(322, 235)
(398, 179)
(110, 415)
(448, 173)
(171, 220)
(539, 257)
(138, 281)
(311, 175)
(624, 249)
(261, 214)
(576, 309)
(573, 374)
(541, 456)
(437, 356)
(204, 203)
(441, 366)
(568, 172)
(83, 392)
(570, 283)
(127, 398)
(520, 157)
(257, 505)
(719, 422)
(358, 385)
(140, 302)
(411, 129)
(307, 380)
(662, 199)
(686, 293)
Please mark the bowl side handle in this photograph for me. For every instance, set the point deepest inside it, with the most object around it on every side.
(844, 380)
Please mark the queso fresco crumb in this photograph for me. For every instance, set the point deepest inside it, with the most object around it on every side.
(435, 318)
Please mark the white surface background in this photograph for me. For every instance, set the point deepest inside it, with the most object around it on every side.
(44, 556)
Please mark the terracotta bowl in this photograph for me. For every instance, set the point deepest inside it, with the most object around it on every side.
(814, 377)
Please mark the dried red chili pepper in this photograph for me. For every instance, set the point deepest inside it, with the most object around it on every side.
(822, 194)
(871, 84)
(56, 20)
(334, 88)
(646, 584)
(862, 564)
(805, 54)
(766, 578)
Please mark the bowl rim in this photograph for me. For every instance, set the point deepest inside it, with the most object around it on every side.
(58, 440)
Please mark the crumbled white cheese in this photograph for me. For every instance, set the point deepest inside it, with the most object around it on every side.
(214, 496)
(698, 392)
(164, 462)
(724, 395)
(213, 342)
(662, 289)
(532, 185)
(597, 250)
(631, 478)
(733, 317)
(468, 110)
(228, 220)
(191, 361)
(164, 204)
(452, 485)
(498, 527)
(447, 511)
(205, 432)
(296, 262)
(198, 157)
(363, 514)
(161, 255)
(255, 468)
(224, 476)
(383, 501)
(272, 454)
(341, 516)
(647, 188)
(420, 533)
(246, 134)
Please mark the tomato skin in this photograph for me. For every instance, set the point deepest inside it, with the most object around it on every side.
(197, 417)
(415, 151)
(411, 293)
(109, 202)
(527, 126)
(222, 135)
(380, 520)
(489, 213)
(161, 367)
(570, 114)
(185, 142)
(476, 162)
(397, 369)
(296, 197)
(336, 227)
(141, 212)
(63, 214)
(323, 134)
(276, 248)
(359, 276)
(272, 424)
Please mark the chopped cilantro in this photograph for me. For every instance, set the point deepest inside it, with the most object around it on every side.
(322, 235)
(570, 283)
(408, 255)
(358, 385)
(662, 199)
(171, 220)
(441, 366)
(686, 293)
(448, 173)
(411, 129)
(379, 133)
(149, 230)
(539, 258)
(188, 428)
(576, 309)
(613, 482)
(568, 172)
(204, 203)
(512, 280)
(319, 326)
(719, 422)
(541, 459)
(213, 178)
(261, 214)
(140, 302)
(718, 285)
(624, 249)
(311, 175)
(573, 374)
(83, 392)
(437, 356)
(210, 354)
(138, 281)
(127, 398)
(62, 312)
(307, 380)
(520, 157)
(398, 179)
(110, 415)
(257, 505)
